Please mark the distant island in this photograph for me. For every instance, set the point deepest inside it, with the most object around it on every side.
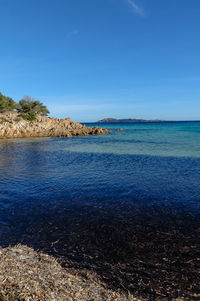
(129, 120)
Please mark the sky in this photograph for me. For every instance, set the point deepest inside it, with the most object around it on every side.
(91, 59)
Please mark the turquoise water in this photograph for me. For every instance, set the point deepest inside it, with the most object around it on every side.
(177, 139)
(98, 199)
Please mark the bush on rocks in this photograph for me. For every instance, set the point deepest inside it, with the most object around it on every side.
(6, 104)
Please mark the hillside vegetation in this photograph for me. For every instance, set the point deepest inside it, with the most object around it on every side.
(28, 107)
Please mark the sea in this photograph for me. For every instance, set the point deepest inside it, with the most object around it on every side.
(124, 205)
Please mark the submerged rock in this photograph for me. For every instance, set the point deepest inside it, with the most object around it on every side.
(12, 125)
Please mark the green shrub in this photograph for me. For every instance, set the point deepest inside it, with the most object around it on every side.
(17, 119)
(28, 116)
(2, 120)
(30, 105)
(6, 104)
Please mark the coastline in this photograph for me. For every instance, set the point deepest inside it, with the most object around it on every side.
(12, 125)
(77, 209)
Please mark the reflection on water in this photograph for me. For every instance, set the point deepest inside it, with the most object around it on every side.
(132, 218)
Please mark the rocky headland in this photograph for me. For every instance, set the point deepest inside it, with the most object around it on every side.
(13, 125)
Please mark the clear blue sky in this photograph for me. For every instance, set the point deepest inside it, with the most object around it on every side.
(90, 59)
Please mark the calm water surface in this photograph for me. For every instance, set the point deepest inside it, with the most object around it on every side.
(106, 198)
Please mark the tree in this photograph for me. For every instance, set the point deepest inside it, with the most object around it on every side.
(29, 105)
(6, 104)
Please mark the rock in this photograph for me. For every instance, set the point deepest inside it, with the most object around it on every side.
(14, 126)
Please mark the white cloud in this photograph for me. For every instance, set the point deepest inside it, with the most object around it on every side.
(136, 8)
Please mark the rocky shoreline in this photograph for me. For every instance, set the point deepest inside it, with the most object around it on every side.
(12, 125)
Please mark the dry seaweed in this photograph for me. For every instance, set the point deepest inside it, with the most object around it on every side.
(26, 275)
(153, 253)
